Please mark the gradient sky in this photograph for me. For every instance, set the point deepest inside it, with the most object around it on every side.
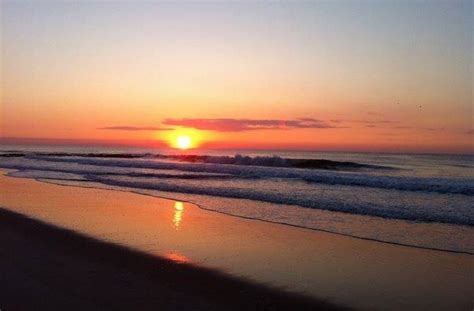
(342, 75)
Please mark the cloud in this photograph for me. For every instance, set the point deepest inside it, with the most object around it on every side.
(374, 122)
(135, 128)
(387, 124)
(432, 129)
(310, 119)
(239, 125)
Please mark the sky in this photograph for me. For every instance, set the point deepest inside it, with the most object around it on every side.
(313, 75)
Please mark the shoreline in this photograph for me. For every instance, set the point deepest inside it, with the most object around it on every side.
(249, 218)
(346, 271)
(51, 181)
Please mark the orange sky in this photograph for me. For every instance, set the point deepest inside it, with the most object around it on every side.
(376, 76)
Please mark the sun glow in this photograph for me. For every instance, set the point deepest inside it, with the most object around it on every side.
(184, 139)
(183, 142)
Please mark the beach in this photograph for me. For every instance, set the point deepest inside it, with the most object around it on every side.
(80, 237)
(236, 155)
(47, 268)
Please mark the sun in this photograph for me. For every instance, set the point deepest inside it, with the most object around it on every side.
(183, 138)
(183, 142)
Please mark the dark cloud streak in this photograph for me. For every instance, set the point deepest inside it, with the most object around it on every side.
(135, 128)
(374, 122)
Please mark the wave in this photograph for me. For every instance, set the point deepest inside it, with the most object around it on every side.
(288, 186)
(464, 186)
(83, 171)
(440, 240)
(323, 203)
(273, 161)
(12, 153)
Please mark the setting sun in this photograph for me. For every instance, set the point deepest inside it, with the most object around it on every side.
(183, 142)
(184, 139)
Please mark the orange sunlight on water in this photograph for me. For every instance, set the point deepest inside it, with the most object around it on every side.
(178, 214)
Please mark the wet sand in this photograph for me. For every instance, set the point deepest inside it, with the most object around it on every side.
(47, 268)
(329, 267)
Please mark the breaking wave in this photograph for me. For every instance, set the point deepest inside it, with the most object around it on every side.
(365, 190)
(273, 161)
(463, 186)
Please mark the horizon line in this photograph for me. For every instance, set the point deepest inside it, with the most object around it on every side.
(218, 145)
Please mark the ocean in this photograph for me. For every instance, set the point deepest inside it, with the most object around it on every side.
(417, 200)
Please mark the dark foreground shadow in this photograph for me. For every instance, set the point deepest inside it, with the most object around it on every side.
(43, 267)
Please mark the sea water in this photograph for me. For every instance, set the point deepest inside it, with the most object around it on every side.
(419, 200)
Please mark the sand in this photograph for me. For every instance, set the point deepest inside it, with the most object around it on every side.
(47, 268)
(256, 259)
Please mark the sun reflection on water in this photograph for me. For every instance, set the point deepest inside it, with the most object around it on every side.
(178, 214)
